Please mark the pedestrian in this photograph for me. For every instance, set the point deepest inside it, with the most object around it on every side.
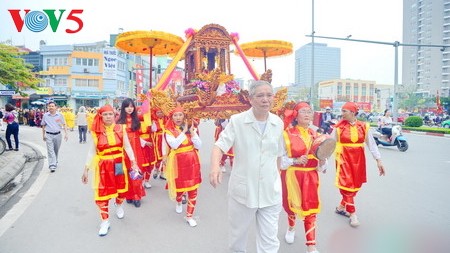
(254, 188)
(12, 126)
(351, 135)
(106, 160)
(220, 125)
(2, 125)
(147, 150)
(158, 122)
(129, 118)
(183, 162)
(52, 124)
(82, 124)
(299, 175)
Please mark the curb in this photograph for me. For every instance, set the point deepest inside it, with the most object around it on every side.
(14, 165)
(427, 133)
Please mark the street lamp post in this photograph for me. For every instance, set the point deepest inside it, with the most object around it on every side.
(311, 89)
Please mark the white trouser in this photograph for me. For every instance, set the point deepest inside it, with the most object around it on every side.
(240, 217)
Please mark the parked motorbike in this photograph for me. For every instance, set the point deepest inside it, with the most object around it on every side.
(396, 139)
(329, 126)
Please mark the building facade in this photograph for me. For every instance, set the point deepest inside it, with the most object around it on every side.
(426, 69)
(327, 64)
(376, 97)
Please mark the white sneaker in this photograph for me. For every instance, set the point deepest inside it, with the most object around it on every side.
(179, 207)
(104, 227)
(223, 169)
(354, 222)
(191, 222)
(147, 185)
(290, 236)
(119, 211)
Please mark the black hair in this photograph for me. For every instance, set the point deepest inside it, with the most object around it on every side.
(9, 107)
(135, 123)
(385, 111)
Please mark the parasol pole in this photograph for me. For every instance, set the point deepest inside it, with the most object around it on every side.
(235, 39)
(265, 65)
(151, 67)
(164, 80)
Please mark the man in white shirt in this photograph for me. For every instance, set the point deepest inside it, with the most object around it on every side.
(254, 189)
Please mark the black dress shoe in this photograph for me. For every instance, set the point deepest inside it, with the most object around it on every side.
(137, 203)
(16, 149)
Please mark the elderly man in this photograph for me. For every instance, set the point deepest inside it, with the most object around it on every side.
(255, 186)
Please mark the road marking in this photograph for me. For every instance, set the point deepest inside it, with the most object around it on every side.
(19, 208)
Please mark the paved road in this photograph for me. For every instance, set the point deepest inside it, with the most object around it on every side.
(403, 212)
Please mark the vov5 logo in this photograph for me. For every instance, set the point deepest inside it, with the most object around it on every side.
(37, 21)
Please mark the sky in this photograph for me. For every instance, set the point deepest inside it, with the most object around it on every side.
(287, 20)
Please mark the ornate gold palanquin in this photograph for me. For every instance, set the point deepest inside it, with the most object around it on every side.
(210, 91)
(208, 50)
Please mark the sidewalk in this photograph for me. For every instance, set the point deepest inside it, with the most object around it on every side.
(12, 163)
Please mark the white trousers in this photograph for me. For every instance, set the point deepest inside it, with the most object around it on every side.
(240, 218)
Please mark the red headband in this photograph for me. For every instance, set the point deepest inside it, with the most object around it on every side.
(97, 124)
(290, 115)
(350, 106)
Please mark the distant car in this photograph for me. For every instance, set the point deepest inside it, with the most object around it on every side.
(446, 123)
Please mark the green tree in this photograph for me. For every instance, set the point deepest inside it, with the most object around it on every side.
(14, 72)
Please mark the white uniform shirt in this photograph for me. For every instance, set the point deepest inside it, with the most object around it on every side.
(255, 180)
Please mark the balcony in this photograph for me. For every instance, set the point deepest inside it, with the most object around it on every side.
(56, 70)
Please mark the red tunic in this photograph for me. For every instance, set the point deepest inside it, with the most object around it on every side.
(350, 155)
(135, 191)
(217, 132)
(157, 138)
(148, 152)
(187, 164)
(300, 183)
(109, 151)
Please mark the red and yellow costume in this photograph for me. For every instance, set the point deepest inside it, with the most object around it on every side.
(158, 137)
(350, 160)
(229, 154)
(183, 167)
(135, 190)
(300, 183)
(107, 181)
(147, 151)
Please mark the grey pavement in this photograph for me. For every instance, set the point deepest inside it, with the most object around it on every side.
(12, 163)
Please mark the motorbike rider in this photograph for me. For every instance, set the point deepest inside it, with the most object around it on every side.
(327, 116)
(386, 124)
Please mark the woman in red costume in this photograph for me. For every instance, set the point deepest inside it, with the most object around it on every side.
(106, 159)
(183, 162)
(158, 122)
(220, 125)
(129, 117)
(351, 135)
(299, 176)
(147, 150)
